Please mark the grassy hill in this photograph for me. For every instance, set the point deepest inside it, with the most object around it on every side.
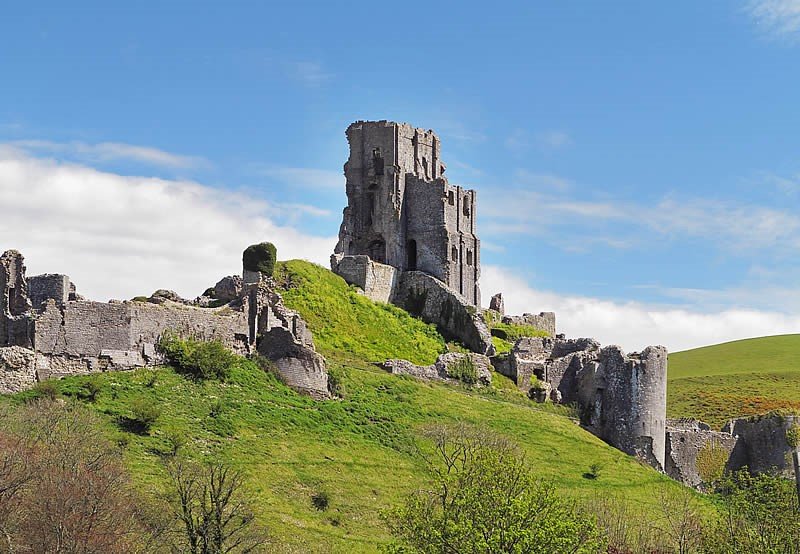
(746, 377)
(360, 450)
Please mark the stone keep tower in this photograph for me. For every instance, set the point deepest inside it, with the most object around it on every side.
(402, 211)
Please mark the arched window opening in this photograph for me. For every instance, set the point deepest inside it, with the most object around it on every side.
(454, 254)
(411, 255)
(451, 198)
(377, 251)
(469, 257)
(466, 208)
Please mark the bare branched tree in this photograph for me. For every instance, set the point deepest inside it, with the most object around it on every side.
(215, 517)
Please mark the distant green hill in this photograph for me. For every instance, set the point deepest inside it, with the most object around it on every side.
(360, 449)
(745, 377)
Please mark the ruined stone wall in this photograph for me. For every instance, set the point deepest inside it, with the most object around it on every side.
(84, 336)
(378, 281)
(14, 304)
(762, 445)
(621, 398)
(544, 321)
(685, 440)
(434, 302)
(41, 288)
(17, 369)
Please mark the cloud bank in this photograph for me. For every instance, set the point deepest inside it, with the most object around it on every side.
(634, 325)
(119, 236)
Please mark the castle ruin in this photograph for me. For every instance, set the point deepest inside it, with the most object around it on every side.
(47, 330)
(403, 212)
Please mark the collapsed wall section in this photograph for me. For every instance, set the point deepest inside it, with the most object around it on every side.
(434, 302)
(687, 441)
(378, 281)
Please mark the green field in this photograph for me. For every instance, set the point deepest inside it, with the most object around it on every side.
(360, 449)
(740, 378)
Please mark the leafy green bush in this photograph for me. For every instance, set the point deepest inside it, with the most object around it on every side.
(260, 257)
(711, 461)
(199, 359)
(46, 389)
(484, 498)
(793, 435)
(144, 415)
(91, 388)
(336, 382)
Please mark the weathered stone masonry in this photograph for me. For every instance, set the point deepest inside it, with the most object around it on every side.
(55, 333)
(402, 211)
(621, 398)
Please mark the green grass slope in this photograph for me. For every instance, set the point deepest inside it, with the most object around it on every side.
(733, 379)
(359, 449)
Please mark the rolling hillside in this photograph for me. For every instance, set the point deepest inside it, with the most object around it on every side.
(361, 449)
(746, 377)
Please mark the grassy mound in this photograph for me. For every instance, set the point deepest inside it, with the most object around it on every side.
(733, 379)
(345, 322)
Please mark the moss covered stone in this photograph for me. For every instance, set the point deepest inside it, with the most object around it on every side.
(260, 257)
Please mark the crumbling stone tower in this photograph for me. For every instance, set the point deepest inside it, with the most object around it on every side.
(403, 212)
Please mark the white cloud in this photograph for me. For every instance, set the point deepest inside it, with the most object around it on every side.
(309, 73)
(635, 325)
(113, 151)
(733, 226)
(119, 236)
(521, 140)
(304, 177)
(779, 18)
(553, 139)
(539, 181)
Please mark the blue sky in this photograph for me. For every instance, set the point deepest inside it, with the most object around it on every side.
(636, 162)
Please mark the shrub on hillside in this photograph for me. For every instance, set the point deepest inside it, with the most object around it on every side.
(199, 359)
(144, 415)
(260, 257)
(483, 498)
(47, 390)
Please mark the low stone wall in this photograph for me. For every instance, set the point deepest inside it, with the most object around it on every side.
(543, 321)
(432, 301)
(444, 369)
(378, 281)
(85, 336)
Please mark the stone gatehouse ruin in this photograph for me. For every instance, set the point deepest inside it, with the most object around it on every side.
(47, 330)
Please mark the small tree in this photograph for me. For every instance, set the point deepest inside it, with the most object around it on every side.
(71, 493)
(758, 514)
(208, 502)
(483, 499)
(260, 257)
(711, 461)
